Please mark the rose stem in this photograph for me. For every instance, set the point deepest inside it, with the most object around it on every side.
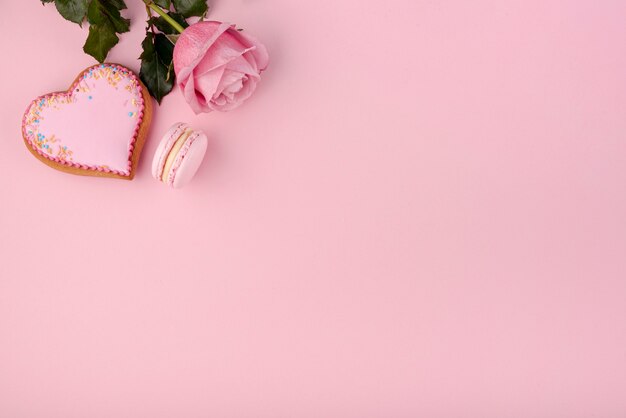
(149, 13)
(164, 15)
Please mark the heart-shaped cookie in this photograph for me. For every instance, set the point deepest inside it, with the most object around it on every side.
(95, 128)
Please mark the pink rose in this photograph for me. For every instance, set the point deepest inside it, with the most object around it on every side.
(217, 67)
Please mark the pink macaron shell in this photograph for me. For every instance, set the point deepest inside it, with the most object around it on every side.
(164, 147)
(188, 166)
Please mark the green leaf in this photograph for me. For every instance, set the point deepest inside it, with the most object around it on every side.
(162, 25)
(118, 4)
(163, 3)
(164, 48)
(106, 13)
(100, 41)
(189, 8)
(156, 65)
(72, 10)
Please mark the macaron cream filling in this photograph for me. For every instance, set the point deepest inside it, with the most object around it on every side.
(171, 157)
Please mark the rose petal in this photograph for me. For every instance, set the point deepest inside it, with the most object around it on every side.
(234, 88)
(246, 91)
(205, 87)
(229, 78)
(193, 44)
(260, 53)
(241, 65)
(225, 50)
(251, 60)
(189, 92)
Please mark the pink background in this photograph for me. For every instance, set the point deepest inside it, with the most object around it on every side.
(422, 212)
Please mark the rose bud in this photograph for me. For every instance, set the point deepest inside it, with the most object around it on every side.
(217, 67)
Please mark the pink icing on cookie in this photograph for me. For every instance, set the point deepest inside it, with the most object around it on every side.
(94, 125)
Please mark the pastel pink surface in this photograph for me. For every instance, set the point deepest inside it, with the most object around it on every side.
(419, 213)
(94, 124)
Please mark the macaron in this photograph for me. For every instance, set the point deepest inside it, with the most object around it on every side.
(179, 155)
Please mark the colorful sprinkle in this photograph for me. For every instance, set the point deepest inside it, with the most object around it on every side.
(52, 147)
